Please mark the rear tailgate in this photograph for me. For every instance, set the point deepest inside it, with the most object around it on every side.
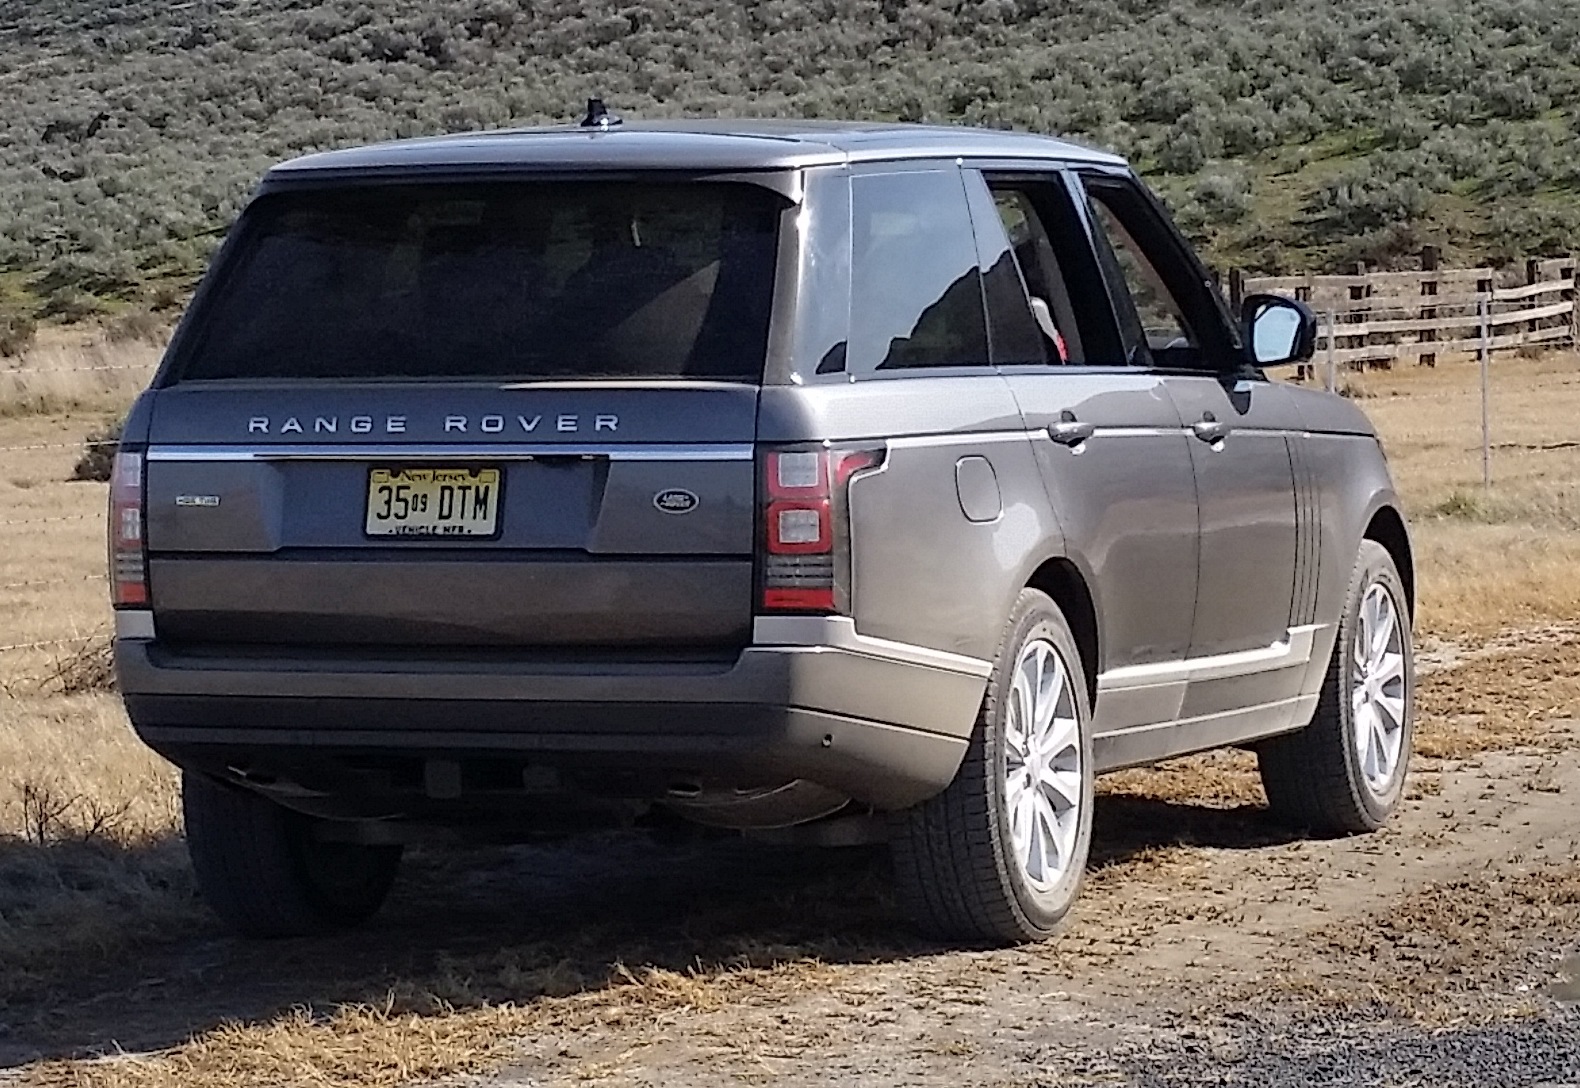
(466, 414)
(622, 515)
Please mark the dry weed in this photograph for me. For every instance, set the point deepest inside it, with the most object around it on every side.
(82, 671)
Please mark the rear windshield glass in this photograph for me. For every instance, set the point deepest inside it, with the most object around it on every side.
(518, 280)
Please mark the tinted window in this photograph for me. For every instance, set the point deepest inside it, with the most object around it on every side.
(524, 280)
(916, 295)
(1040, 266)
(1013, 335)
(1162, 318)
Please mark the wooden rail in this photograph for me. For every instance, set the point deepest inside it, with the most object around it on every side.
(1375, 318)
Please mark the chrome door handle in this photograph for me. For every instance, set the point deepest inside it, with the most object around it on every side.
(1208, 429)
(1070, 432)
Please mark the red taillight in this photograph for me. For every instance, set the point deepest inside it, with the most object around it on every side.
(128, 559)
(804, 554)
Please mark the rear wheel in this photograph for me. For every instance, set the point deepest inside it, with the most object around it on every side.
(1345, 772)
(262, 871)
(1000, 854)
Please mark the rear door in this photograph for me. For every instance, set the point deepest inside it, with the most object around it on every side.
(1114, 459)
(1239, 426)
(469, 414)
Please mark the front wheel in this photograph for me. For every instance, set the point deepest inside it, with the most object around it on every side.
(264, 873)
(1000, 854)
(1344, 773)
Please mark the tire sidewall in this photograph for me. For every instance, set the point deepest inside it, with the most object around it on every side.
(1037, 617)
(1374, 566)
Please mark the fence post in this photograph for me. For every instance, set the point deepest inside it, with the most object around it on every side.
(1430, 255)
(1236, 290)
(1533, 273)
(1333, 372)
(1567, 274)
(1360, 314)
(1482, 308)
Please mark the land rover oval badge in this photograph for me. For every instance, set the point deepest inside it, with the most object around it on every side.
(676, 500)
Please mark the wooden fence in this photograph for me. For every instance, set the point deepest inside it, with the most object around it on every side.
(1371, 319)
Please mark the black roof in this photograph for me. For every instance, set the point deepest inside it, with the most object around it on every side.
(721, 145)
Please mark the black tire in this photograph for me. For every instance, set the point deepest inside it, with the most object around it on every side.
(954, 855)
(1314, 778)
(262, 871)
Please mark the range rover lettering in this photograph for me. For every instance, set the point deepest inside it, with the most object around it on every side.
(820, 481)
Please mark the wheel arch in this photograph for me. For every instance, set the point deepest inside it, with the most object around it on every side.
(1386, 527)
(1062, 580)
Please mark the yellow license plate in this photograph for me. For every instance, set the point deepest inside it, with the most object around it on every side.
(433, 502)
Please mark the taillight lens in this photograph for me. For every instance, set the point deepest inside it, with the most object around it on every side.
(804, 555)
(128, 557)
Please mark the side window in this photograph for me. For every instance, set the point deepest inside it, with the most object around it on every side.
(915, 292)
(1041, 272)
(1165, 322)
(1047, 297)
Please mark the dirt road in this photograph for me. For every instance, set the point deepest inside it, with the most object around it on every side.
(1437, 952)
(1211, 946)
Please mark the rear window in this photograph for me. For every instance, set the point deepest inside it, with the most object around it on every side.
(502, 280)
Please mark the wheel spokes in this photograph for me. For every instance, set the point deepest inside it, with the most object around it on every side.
(1378, 693)
(1392, 708)
(1044, 776)
(1061, 787)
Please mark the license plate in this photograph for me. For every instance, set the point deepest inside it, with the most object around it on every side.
(433, 502)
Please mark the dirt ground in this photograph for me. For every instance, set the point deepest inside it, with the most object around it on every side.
(1211, 946)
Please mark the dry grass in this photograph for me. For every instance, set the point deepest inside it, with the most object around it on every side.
(95, 370)
(1430, 951)
(393, 1043)
(91, 863)
(1508, 557)
(1503, 701)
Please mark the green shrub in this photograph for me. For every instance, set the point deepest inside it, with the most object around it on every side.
(124, 159)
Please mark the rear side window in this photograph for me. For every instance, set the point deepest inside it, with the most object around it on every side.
(499, 280)
(916, 294)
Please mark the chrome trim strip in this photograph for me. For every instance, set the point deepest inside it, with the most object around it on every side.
(953, 438)
(134, 624)
(503, 451)
(839, 633)
(1022, 434)
(1294, 651)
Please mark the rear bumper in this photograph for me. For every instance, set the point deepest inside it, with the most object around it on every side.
(878, 729)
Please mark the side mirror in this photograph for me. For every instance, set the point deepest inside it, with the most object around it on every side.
(1278, 329)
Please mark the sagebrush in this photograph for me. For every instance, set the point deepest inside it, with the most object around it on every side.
(1291, 136)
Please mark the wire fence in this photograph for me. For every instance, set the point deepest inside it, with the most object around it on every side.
(49, 643)
(94, 444)
(8, 371)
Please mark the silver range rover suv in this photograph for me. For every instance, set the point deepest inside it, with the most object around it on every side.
(813, 480)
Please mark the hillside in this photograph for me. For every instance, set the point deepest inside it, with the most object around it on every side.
(1286, 136)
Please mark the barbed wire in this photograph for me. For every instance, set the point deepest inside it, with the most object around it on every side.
(51, 521)
(9, 371)
(42, 582)
(75, 640)
(60, 446)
